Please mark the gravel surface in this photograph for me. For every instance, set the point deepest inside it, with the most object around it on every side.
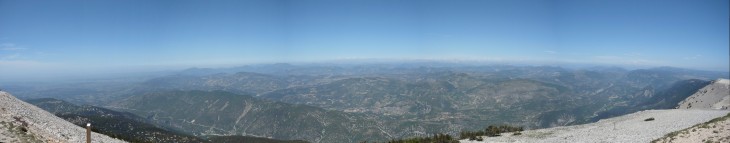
(626, 129)
(39, 125)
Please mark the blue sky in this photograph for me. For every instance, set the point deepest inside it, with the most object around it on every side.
(76, 36)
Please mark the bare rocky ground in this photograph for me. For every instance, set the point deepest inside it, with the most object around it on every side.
(713, 96)
(625, 129)
(21, 122)
(715, 131)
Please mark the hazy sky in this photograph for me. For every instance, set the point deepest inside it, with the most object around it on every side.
(45, 37)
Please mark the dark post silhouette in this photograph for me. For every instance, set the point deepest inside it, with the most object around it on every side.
(88, 132)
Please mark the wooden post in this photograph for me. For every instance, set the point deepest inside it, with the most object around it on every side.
(88, 132)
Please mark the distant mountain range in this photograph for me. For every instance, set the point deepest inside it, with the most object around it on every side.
(218, 113)
(705, 122)
(353, 103)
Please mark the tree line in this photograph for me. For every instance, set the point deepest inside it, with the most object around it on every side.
(490, 131)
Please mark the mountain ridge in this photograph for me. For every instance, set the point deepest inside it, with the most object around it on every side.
(714, 96)
(123, 125)
(391, 101)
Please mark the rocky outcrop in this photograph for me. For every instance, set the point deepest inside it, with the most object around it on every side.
(713, 96)
(23, 122)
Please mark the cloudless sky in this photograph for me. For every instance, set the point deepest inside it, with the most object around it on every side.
(77, 36)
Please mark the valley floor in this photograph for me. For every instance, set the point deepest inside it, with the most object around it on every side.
(626, 129)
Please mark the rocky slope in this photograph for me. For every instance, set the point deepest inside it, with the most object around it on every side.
(684, 125)
(713, 96)
(715, 130)
(627, 128)
(132, 128)
(23, 122)
(122, 125)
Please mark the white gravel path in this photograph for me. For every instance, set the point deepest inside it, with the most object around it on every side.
(625, 129)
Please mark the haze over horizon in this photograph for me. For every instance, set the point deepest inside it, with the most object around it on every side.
(61, 37)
